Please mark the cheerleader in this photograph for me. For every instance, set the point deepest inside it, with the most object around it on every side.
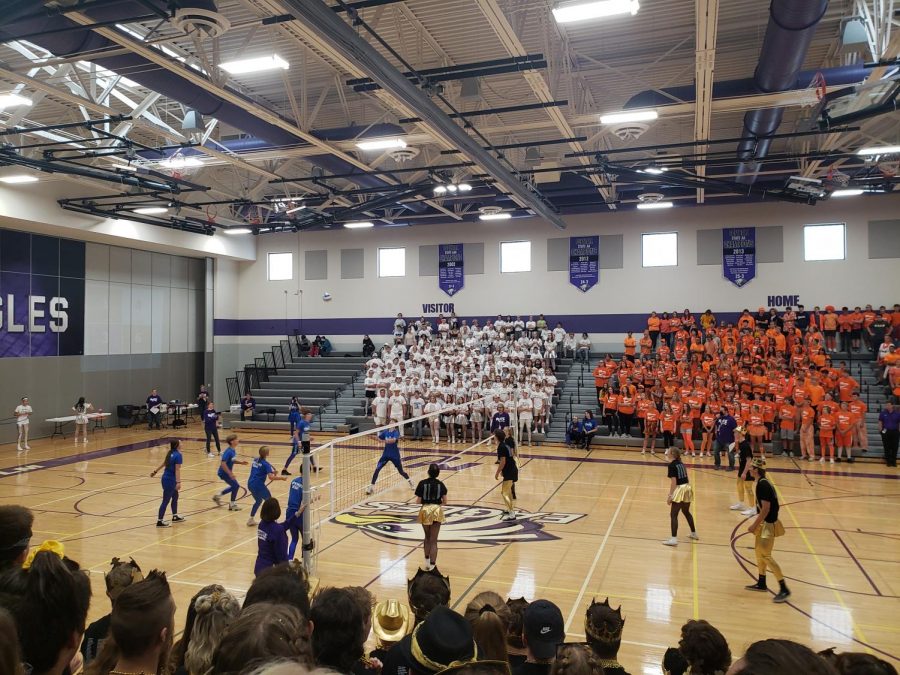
(433, 410)
(260, 470)
(171, 483)
(23, 414)
(81, 410)
(293, 413)
(681, 494)
(391, 453)
(432, 495)
(462, 420)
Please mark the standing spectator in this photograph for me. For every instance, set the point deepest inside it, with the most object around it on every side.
(584, 349)
(23, 413)
(653, 326)
(368, 347)
(211, 427)
(725, 426)
(154, 414)
(889, 427)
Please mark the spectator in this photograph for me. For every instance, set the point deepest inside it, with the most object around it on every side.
(262, 633)
(515, 647)
(176, 658)
(214, 612)
(10, 657)
(368, 347)
(490, 618)
(390, 625)
(542, 630)
(576, 659)
(15, 535)
(704, 648)
(442, 640)
(120, 576)
(584, 349)
(780, 657)
(305, 345)
(857, 663)
(603, 627)
(338, 638)
(248, 406)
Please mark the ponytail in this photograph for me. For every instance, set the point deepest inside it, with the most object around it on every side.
(173, 446)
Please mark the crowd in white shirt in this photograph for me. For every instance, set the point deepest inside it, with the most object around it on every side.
(462, 374)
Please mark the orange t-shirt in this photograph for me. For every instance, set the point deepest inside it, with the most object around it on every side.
(787, 414)
(611, 402)
(652, 415)
(846, 385)
(630, 343)
(830, 321)
(845, 421)
(707, 419)
(653, 324)
(756, 423)
(807, 416)
(668, 421)
(646, 345)
(626, 405)
(858, 408)
(826, 425)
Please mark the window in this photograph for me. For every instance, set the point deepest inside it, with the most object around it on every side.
(515, 256)
(825, 242)
(659, 249)
(392, 262)
(281, 266)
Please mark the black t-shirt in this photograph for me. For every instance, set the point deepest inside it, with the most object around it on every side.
(431, 491)
(762, 322)
(510, 470)
(529, 668)
(395, 661)
(515, 660)
(745, 454)
(766, 492)
(802, 321)
(678, 471)
(94, 636)
(879, 327)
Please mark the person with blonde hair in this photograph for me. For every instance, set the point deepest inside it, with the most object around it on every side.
(490, 617)
(120, 576)
(213, 613)
(262, 633)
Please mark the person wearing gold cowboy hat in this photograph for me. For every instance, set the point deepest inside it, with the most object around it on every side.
(766, 527)
(390, 623)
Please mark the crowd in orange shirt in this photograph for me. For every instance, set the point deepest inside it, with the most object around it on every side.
(776, 379)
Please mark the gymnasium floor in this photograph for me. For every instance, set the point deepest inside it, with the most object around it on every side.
(593, 528)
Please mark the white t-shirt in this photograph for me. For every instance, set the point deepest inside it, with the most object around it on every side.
(380, 403)
(397, 403)
(22, 413)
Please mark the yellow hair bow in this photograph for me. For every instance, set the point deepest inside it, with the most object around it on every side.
(49, 545)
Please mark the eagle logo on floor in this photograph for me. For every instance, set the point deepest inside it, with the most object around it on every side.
(398, 521)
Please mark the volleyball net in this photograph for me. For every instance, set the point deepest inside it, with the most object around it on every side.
(346, 465)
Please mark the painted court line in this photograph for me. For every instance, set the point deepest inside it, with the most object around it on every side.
(590, 574)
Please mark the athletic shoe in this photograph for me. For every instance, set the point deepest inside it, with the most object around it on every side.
(671, 541)
(831, 461)
(782, 596)
(178, 519)
(162, 523)
(851, 460)
(217, 499)
(370, 489)
(233, 507)
(749, 512)
(694, 536)
(821, 460)
(411, 484)
(838, 460)
(209, 455)
(285, 472)
(251, 522)
(28, 447)
(762, 588)
(643, 452)
(85, 441)
(738, 507)
(19, 451)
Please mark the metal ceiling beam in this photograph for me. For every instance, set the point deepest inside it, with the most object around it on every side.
(707, 21)
(508, 38)
(317, 17)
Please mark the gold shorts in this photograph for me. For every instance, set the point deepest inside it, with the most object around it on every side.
(683, 493)
(430, 514)
(771, 530)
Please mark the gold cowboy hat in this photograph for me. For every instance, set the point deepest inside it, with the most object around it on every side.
(390, 620)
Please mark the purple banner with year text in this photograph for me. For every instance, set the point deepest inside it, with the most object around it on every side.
(584, 262)
(739, 254)
(451, 270)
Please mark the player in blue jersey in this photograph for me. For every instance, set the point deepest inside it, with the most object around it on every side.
(260, 470)
(171, 484)
(293, 516)
(226, 473)
(301, 439)
(391, 453)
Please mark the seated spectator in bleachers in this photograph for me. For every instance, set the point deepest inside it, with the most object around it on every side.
(304, 345)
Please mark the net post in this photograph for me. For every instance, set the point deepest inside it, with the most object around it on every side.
(332, 470)
(306, 529)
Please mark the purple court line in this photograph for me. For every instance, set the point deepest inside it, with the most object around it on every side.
(81, 457)
(792, 605)
(858, 564)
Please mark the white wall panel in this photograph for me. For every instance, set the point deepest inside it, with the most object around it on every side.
(141, 267)
(179, 272)
(196, 273)
(96, 317)
(178, 321)
(96, 261)
(160, 312)
(120, 264)
(162, 270)
(119, 318)
(196, 320)
(141, 319)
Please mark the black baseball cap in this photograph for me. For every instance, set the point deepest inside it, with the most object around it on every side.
(543, 628)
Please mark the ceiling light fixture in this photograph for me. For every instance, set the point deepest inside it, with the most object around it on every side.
(464, 187)
(181, 162)
(440, 190)
(503, 215)
(882, 150)
(360, 225)
(849, 192)
(655, 170)
(598, 9)
(237, 230)
(382, 144)
(9, 100)
(18, 179)
(295, 209)
(629, 116)
(257, 64)
(452, 188)
(647, 206)
(150, 210)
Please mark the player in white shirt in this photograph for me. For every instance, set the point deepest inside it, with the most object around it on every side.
(433, 408)
(23, 415)
(397, 405)
(380, 406)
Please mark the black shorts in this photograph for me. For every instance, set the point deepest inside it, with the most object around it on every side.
(855, 334)
(830, 333)
(304, 446)
(370, 394)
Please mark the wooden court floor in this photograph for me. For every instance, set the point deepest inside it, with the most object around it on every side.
(591, 527)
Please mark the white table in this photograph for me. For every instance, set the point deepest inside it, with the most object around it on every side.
(177, 410)
(59, 422)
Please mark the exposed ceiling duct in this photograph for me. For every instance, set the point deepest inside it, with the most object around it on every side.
(318, 17)
(791, 28)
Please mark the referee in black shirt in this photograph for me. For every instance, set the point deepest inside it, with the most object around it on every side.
(766, 527)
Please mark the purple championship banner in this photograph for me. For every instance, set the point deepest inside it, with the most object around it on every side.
(41, 295)
(451, 271)
(584, 262)
(739, 254)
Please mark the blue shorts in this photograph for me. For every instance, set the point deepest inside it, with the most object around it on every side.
(259, 492)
